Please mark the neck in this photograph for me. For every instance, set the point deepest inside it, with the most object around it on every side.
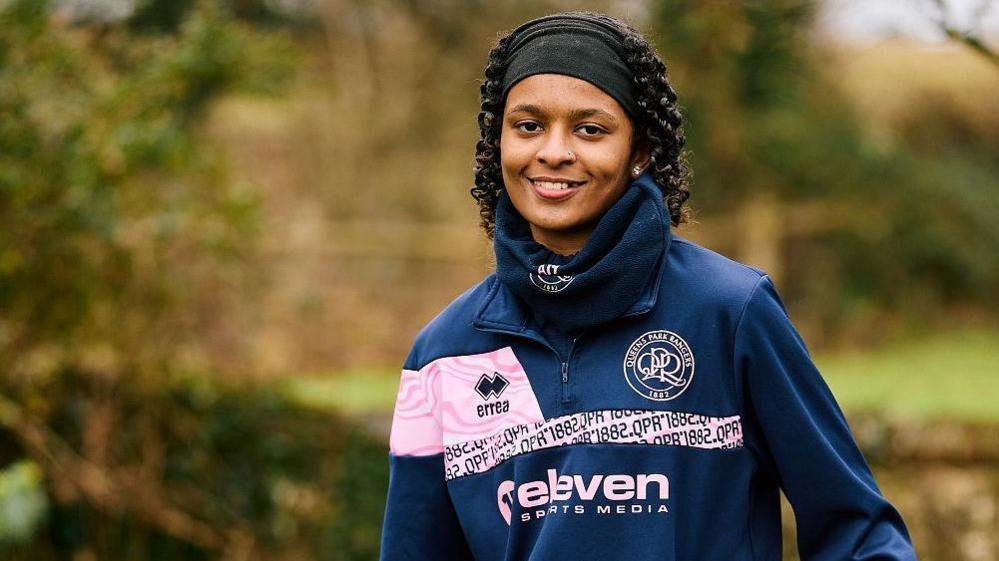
(563, 243)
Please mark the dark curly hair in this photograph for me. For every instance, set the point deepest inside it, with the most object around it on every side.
(659, 124)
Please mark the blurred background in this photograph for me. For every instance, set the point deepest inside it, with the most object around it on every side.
(223, 222)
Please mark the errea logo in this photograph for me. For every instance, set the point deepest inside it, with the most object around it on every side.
(492, 386)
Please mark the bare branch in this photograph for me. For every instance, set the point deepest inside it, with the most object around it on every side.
(973, 43)
(944, 21)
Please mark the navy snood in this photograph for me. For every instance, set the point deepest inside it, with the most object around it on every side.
(603, 280)
(572, 45)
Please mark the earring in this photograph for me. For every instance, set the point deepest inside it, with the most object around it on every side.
(637, 171)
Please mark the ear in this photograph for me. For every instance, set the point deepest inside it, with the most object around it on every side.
(639, 158)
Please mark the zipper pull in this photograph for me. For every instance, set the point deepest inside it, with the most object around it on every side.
(565, 372)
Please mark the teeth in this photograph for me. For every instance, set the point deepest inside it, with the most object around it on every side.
(552, 185)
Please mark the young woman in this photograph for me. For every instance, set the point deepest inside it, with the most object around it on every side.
(612, 391)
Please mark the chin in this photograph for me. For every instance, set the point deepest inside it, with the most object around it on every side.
(553, 224)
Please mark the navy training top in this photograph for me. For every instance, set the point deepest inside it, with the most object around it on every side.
(663, 435)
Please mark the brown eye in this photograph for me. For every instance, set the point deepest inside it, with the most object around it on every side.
(591, 130)
(528, 126)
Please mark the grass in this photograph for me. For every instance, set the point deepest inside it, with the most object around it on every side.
(950, 376)
(351, 391)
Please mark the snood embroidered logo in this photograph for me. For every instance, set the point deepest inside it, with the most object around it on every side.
(548, 280)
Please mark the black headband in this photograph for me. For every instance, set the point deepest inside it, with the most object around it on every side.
(580, 46)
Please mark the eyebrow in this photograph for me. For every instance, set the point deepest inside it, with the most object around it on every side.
(575, 114)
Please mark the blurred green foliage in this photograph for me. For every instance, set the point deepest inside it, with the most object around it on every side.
(200, 470)
(22, 502)
(113, 211)
(765, 114)
(122, 242)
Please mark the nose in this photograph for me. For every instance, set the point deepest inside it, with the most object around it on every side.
(555, 151)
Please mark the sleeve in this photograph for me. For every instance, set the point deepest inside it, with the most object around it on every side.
(420, 520)
(839, 509)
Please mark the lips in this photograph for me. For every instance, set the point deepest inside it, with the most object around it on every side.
(555, 188)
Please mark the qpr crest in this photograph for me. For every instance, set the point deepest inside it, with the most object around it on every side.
(548, 279)
(659, 365)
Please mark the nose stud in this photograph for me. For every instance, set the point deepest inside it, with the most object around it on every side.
(571, 155)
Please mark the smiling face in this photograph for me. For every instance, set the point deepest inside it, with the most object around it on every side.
(567, 156)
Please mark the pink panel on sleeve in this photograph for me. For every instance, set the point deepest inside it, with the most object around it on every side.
(415, 430)
(443, 402)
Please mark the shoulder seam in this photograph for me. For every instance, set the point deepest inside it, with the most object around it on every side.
(435, 359)
(745, 304)
(740, 392)
(740, 264)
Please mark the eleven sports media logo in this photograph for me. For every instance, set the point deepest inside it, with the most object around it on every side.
(599, 494)
(659, 365)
